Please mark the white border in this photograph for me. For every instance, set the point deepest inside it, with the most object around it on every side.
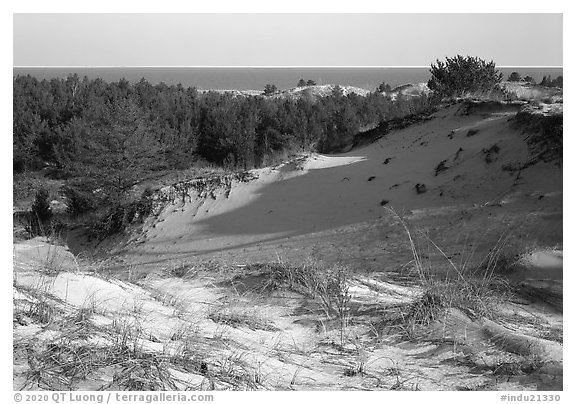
(306, 6)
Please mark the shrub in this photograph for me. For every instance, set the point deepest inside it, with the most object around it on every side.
(514, 76)
(270, 89)
(420, 188)
(143, 207)
(461, 75)
(440, 167)
(545, 139)
(384, 88)
(303, 83)
(41, 206)
(41, 213)
(120, 216)
(113, 222)
(78, 201)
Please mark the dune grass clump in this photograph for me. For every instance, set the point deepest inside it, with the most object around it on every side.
(38, 303)
(183, 270)
(478, 290)
(73, 357)
(327, 284)
(63, 363)
(143, 371)
(241, 317)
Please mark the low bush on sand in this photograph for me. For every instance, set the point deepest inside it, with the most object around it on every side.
(477, 289)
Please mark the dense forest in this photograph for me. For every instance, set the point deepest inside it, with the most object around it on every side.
(67, 123)
(101, 139)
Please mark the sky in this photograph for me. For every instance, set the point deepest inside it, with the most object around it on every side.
(284, 39)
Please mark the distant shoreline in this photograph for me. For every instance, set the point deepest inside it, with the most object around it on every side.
(255, 78)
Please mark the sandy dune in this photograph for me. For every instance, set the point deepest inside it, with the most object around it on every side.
(338, 202)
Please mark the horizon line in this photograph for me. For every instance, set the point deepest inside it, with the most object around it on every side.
(269, 67)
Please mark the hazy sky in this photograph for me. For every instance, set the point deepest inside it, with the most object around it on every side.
(284, 39)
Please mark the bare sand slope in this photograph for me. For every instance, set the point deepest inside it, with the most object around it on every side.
(336, 203)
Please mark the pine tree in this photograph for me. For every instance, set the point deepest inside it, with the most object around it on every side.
(120, 153)
(461, 75)
(546, 81)
(41, 213)
(270, 89)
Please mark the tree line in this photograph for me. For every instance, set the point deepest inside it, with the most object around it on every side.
(547, 81)
(62, 123)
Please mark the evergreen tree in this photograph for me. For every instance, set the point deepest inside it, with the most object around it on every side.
(270, 89)
(337, 92)
(120, 153)
(558, 82)
(41, 213)
(461, 75)
(546, 81)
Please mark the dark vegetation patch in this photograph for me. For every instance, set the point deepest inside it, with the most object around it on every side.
(490, 153)
(183, 270)
(390, 125)
(440, 167)
(117, 218)
(544, 135)
(458, 76)
(457, 156)
(512, 166)
(420, 188)
(487, 107)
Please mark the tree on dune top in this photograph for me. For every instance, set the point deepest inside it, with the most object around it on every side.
(460, 75)
(514, 76)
